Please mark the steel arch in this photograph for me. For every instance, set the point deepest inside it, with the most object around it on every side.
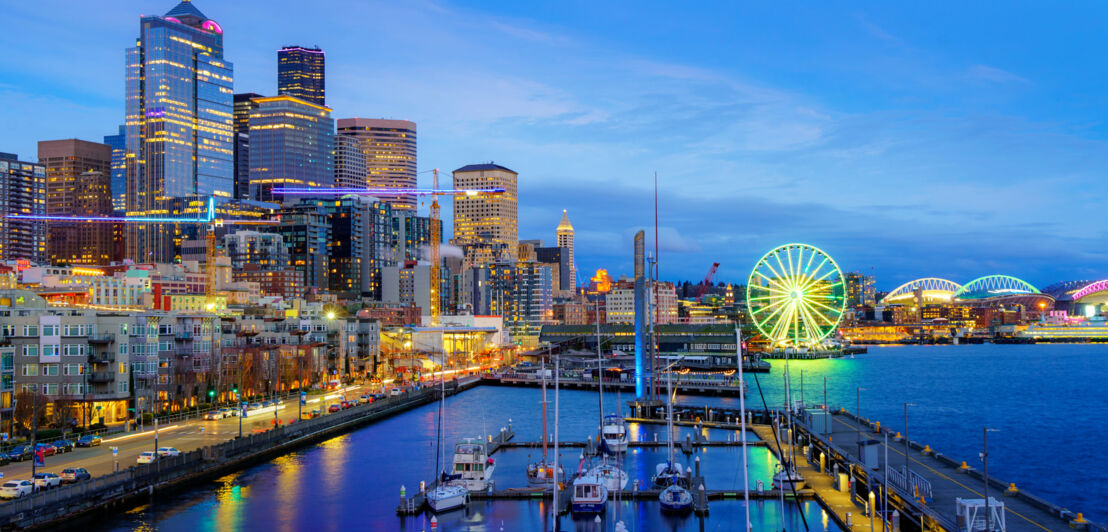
(995, 286)
(928, 284)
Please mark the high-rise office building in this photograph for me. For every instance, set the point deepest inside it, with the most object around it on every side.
(390, 155)
(350, 170)
(22, 191)
(244, 105)
(292, 143)
(78, 183)
(860, 290)
(521, 292)
(301, 73)
(307, 233)
(118, 142)
(411, 236)
(565, 240)
(179, 127)
(560, 267)
(486, 226)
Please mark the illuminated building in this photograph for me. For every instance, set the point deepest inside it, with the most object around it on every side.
(486, 226)
(118, 142)
(22, 191)
(601, 283)
(359, 245)
(560, 261)
(859, 290)
(292, 143)
(179, 127)
(78, 183)
(267, 251)
(243, 106)
(407, 285)
(565, 240)
(285, 282)
(411, 236)
(620, 304)
(307, 233)
(571, 313)
(521, 292)
(390, 155)
(301, 73)
(350, 170)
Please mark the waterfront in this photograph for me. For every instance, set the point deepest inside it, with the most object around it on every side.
(353, 481)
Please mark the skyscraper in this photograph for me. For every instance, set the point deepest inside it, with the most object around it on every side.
(301, 73)
(292, 143)
(118, 142)
(78, 183)
(486, 227)
(390, 153)
(22, 191)
(350, 168)
(565, 240)
(244, 105)
(179, 126)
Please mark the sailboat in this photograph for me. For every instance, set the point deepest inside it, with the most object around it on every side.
(447, 494)
(787, 478)
(590, 492)
(612, 476)
(541, 473)
(675, 497)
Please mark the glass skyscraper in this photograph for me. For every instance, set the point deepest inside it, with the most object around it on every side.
(179, 135)
(118, 143)
(22, 191)
(292, 143)
(301, 72)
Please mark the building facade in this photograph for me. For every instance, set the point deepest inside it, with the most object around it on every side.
(486, 227)
(411, 236)
(390, 155)
(350, 169)
(292, 143)
(78, 183)
(243, 105)
(301, 73)
(22, 191)
(564, 233)
(860, 290)
(118, 142)
(306, 230)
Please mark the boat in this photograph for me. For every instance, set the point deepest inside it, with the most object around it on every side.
(787, 478)
(614, 432)
(613, 477)
(447, 494)
(675, 499)
(472, 465)
(669, 473)
(590, 493)
(541, 473)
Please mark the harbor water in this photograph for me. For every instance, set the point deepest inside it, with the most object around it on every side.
(1047, 401)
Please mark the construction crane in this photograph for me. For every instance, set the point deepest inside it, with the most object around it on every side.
(707, 281)
(435, 247)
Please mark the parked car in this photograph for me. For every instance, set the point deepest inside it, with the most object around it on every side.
(75, 474)
(168, 451)
(63, 446)
(89, 441)
(45, 481)
(334, 408)
(310, 414)
(4, 459)
(395, 391)
(147, 457)
(345, 405)
(15, 489)
(46, 449)
(20, 453)
(255, 406)
(378, 396)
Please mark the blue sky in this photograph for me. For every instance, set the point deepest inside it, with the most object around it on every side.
(946, 139)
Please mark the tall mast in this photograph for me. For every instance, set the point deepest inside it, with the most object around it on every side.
(556, 402)
(544, 410)
(599, 366)
(669, 413)
(653, 290)
(742, 423)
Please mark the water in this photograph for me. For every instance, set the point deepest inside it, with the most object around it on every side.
(1046, 400)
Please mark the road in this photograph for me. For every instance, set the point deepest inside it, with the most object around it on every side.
(185, 436)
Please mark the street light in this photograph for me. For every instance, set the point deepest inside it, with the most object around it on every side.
(858, 411)
(985, 459)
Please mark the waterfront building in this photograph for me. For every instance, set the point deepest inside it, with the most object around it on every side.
(22, 191)
(179, 127)
(118, 142)
(390, 155)
(571, 313)
(565, 234)
(306, 230)
(350, 168)
(243, 105)
(292, 143)
(301, 73)
(860, 290)
(78, 183)
(411, 236)
(486, 226)
(620, 303)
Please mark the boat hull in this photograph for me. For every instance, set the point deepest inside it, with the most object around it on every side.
(675, 500)
(587, 507)
(614, 478)
(442, 500)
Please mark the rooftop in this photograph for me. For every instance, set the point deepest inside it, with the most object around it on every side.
(484, 166)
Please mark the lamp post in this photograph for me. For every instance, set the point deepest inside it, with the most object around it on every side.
(985, 458)
(858, 411)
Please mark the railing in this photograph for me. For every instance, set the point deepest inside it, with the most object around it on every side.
(101, 376)
(102, 338)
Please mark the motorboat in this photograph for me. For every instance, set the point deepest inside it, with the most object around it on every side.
(675, 499)
(614, 432)
(590, 493)
(472, 464)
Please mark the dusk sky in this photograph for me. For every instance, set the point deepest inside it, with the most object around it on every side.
(945, 139)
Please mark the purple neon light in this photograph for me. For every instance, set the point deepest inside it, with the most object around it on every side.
(321, 191)
(156, 112)
(173, 19)
(1091, 288)
(212, 26)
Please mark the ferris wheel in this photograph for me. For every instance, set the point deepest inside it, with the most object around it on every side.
(795, 295)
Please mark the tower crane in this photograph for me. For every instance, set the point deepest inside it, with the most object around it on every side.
(707, 281)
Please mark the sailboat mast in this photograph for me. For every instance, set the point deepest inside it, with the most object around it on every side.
(669, 413)
(599, 366)
(544, 408)
(742, 423)
(556, 403)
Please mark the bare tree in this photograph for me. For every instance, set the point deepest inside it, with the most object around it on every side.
(25, 403)
(65, 412)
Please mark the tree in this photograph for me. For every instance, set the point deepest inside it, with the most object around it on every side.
(65, 413)
(25, 403)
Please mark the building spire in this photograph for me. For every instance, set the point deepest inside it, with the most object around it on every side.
(564, 225)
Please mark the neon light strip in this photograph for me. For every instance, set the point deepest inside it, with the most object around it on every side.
(208, 218)
(320, 191)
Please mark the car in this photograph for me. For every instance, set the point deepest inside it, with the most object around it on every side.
(213, 415)
(20, 453)
(147, 457)
(334, 408)
(89, 441)
(229, 412)
(378, 396)
(46, 449)
(63, 446)
(168, 451)
(15, 489)
(255, 406)
(4, 460)
(310, 414)
(345, 405)
(395, 391)
(45, 481)
(75, 474)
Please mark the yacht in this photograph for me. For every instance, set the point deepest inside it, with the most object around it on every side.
(590, 493)
(613, 477)
(446, 496)
(614, 432)
(541, 473)
(669, 473)
(675, 499)
(787, 478)
(472, 464)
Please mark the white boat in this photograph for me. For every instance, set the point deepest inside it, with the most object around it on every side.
(787, 479)
(614, 432)
(668, 473)
(590, 493)
(613, 477)
(447, 497)
(675, 499)
(472, 464)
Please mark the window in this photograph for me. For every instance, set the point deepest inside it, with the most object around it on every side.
(163, 379)
(30, 330)
(73, 369)
(50, 370)
(7, 330)
(30, 370)
(73, 388)
(30, 350)
(50, 389)
(122, 328)
(49, 330)
(123, 349)
(51, 350)
(122, 387)
(122, 368)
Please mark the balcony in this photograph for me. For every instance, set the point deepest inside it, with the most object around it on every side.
(102, 358)
(184, 336)
(103, 338)
(101, 376)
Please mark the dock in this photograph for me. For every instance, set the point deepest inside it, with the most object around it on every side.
(686, 386)
(412, 505)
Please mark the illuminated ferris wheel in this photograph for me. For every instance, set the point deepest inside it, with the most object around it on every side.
(795, 295)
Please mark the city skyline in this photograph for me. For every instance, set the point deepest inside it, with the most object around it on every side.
(821, 136)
